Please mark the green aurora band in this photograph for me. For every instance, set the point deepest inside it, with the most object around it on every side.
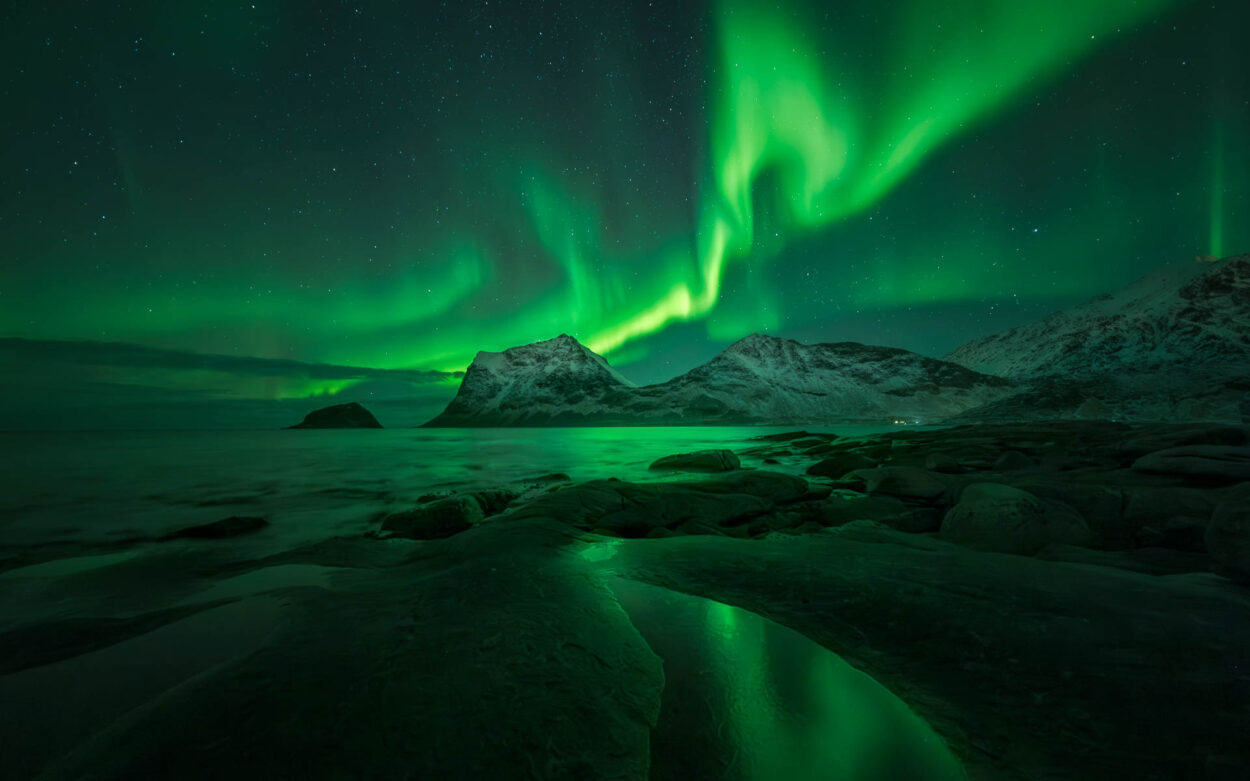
(782, 107)
(642, 178)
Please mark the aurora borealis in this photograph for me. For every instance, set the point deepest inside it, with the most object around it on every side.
(394, 186)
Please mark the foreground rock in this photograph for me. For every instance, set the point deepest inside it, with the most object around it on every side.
(737, 503)
(445, 516)
(699, 461)
(906, 482)
(350, 415)
(1003, 519)
(436, 520)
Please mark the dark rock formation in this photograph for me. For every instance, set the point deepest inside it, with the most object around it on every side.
(435, 520)
(349, 415)
(449, 515)
(725, 504)
(233, 526)
(698, 461)
(1200, 463)
(1003, 519)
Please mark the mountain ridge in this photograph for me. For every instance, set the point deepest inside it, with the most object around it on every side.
(1173, 344)
(758, 379)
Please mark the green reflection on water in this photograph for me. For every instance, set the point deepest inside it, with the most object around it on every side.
(746, 698)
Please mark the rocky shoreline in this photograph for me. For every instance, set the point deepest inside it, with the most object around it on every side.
(1058, 600)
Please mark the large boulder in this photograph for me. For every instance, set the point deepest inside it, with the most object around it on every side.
(698, 461)
(436, 520)
(1228, 535)
(910, 483)
(844, 507)
(1169, 516)
(1005, 519)
(1200, 463)
(350, 415)
(721, 504)
(1102, 506)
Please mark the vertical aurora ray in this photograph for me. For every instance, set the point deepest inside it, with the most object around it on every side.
(1215, 235)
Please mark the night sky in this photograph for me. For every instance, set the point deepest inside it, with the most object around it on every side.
(218, 213)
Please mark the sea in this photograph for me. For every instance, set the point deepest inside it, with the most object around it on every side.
(110, 487)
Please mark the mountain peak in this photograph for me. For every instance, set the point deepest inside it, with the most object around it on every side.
(552, 380)
(755, 343)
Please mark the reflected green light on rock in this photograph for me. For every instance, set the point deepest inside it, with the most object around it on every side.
(599, 551)
(747, 699)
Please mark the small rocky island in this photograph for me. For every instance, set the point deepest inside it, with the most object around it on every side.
(349, 415)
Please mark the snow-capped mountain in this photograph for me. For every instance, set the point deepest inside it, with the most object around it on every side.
(1174, 343)
(759, 379)
(763, 378)
(556, 382)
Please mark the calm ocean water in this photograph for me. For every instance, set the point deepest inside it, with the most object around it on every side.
(107, 486)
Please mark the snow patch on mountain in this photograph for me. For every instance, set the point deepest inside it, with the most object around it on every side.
(1173, 345)
(1179, 318)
